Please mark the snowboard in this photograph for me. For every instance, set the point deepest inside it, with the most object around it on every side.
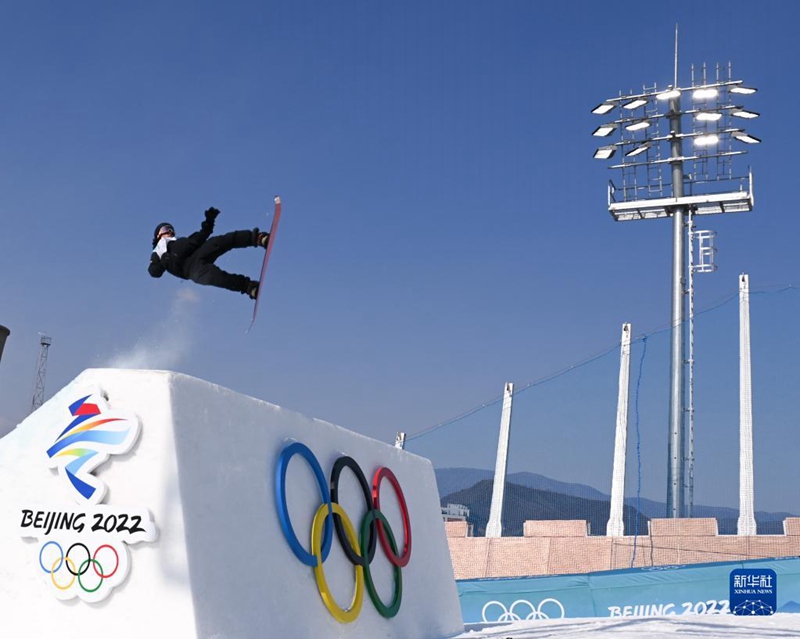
(276, 218)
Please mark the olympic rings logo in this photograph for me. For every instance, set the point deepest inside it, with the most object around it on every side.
(536, 612)
(359, 548)
(77, 569)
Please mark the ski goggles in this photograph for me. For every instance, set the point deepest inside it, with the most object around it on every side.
(166, 230)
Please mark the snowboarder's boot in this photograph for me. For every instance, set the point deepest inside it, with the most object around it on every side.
(252, 290)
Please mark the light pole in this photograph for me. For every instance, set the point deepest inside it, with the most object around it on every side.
(675, 454)
(701, 182)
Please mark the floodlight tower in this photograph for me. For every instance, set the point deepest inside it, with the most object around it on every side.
(700, 182)
(41, 372)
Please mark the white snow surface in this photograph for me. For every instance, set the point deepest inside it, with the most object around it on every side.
(781, 624)
(204, 467)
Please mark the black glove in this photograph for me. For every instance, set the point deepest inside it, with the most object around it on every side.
(211, 214)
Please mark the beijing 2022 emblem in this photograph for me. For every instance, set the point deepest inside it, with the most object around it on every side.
(83, 546)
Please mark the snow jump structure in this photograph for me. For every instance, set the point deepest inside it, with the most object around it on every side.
(150, 503)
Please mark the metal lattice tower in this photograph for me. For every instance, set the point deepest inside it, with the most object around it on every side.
(41, 371)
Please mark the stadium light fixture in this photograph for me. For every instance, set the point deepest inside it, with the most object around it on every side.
(668, 95)
(605, 130)
(743, 90)
(742, 113)
(637, 150)
(707, 116)
(706, 140)
(705, 93)
(638, 126)
(603, 108)
(746, 138)
(634, 104)
(605, 152)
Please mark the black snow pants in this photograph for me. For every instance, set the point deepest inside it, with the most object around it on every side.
(200, 267)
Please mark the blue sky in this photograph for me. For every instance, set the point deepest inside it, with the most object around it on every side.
(445, 226)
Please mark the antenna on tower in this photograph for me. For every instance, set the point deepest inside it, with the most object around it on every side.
(676, 56)
(41, 371)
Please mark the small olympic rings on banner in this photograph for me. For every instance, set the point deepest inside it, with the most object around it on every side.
(64, 560)
(536, 612)
(359, 547)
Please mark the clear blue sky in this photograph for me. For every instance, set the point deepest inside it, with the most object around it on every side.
(445, 227)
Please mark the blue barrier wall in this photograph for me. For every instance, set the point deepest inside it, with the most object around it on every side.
(637, 592)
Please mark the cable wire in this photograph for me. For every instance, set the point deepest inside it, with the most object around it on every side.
(726, 299)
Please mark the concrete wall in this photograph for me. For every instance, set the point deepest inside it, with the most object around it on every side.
(564, 547)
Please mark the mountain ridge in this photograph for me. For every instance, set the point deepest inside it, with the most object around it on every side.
(454, 484)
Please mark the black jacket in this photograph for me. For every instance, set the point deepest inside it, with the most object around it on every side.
(178, 251)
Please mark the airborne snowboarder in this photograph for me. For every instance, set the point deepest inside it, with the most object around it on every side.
(193, 257)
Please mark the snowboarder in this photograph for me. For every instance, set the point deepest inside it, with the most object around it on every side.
(193, 257)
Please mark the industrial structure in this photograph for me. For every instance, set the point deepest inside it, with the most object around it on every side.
(41, 372)
(659, 178)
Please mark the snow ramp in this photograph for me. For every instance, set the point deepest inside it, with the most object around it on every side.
(150, 503)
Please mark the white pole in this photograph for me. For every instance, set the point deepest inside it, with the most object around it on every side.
(615, 526)
(747, 520)
(495, 528)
